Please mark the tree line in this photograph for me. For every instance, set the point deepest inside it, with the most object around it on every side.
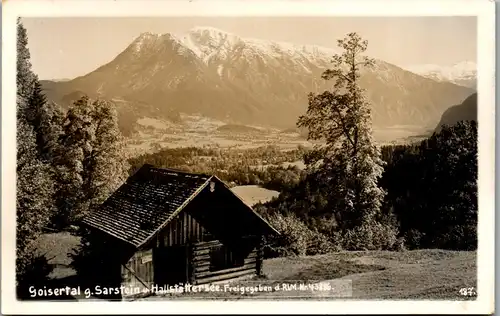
(432, 188)
(68, 162)
(431, 201)
(262, 166)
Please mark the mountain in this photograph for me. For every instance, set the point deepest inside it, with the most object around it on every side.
(60, 80)
(246, 81)
(463, 73)
(465, 111)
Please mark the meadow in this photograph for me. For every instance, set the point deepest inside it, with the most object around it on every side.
(409, 275)
(406, 275)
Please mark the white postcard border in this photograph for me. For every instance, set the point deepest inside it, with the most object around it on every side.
(484, 10)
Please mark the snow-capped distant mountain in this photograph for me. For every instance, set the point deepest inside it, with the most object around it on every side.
(59, 80)
(251, 81)
(211, 44)
(463, 73)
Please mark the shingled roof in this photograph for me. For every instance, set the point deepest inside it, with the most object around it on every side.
(146, 203)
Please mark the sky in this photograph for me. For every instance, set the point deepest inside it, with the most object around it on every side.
(65, 48)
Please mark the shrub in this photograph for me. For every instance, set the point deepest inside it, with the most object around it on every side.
(295, 238)
(399, 245)
(372, 236)
(414, 239)
(462, 237)
(321, 244)
(323, 224)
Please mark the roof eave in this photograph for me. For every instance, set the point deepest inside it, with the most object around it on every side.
(90, 225)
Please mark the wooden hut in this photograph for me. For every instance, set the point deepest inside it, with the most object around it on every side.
(166, 227)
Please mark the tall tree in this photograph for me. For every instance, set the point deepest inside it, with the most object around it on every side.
(50, 131)
(34, 186)
(349, 162)
(45, 118)
(34, 193)
(76, 143)
(91, 161)
(106, 167)
(25, 77)
(34, 206)
(95, 165)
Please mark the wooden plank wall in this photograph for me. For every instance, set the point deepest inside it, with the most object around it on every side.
(139, 270)
(181, 230)
(200, 260)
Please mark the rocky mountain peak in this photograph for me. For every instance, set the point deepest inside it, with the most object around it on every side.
(245, 80)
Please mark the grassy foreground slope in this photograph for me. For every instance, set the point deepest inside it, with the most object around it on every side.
(415, 275)
(408, 275)
(418, 274)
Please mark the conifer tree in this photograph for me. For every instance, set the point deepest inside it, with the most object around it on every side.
(349, 163)
(25, 78)
(34, 206)
(46, 118)
(36, 101)
(34, 186)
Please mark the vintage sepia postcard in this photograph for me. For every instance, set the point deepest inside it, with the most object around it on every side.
(248, 157)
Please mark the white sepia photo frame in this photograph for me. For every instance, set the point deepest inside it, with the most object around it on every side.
(483, 10)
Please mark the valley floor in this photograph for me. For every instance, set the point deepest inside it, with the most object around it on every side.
(153, 134)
